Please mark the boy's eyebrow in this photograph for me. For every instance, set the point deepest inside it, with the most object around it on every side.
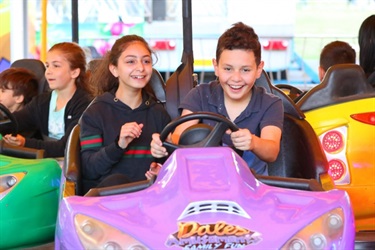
(243, 66)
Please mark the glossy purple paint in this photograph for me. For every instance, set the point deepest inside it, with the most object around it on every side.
(213, 190)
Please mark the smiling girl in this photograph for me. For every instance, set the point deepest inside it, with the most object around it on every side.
(116, 129)
(55, 113)
(258, 114)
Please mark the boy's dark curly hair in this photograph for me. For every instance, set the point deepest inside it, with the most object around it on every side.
(239, 36)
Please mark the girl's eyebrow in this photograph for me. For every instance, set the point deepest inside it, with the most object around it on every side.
(134, 56)
(52, 62)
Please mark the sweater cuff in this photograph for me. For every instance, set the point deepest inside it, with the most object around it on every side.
(118, 146)
(114, 151)
(116, 143)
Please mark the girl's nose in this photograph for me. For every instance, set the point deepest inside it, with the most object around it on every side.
(140, 66)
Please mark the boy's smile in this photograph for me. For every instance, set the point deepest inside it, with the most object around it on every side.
(237, 71)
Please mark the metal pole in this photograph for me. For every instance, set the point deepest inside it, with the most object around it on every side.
(75, 23)
(187, 26)
(43, 45)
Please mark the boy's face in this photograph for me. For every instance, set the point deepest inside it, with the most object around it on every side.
(237, 71)
(9, 100)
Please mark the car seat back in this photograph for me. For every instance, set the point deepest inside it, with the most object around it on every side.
(179, 84)
(38, 68)
(72, 164)
(341, 83)
(300, 153)
(158, 86)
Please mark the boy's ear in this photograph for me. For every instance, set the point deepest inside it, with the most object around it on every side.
(19, 99)
(260, 69)
(214, 63)
(321, 73)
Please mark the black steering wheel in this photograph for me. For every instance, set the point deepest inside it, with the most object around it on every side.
(292, 91)
(8, 120)
(212, 137)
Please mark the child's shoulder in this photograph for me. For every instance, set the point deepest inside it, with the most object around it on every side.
(263, 94)
(209, 87)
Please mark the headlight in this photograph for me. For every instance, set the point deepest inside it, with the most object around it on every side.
(323, 233)
(95, 234)
(8, 182)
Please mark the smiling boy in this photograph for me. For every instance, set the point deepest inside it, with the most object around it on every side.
(258, 114)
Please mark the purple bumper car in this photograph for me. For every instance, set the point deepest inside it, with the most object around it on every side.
(205, 198)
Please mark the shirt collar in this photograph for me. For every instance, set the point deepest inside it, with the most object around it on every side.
(217, 99)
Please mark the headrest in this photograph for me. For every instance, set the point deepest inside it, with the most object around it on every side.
(158, 85)
(341, 83)
(289, 106)
(37, 67)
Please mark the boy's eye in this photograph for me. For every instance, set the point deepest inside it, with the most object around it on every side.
(227, 68)
(246, 70)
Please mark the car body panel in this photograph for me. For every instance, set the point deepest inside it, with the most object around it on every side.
(359, 152)
(199, 194)
(29, 208)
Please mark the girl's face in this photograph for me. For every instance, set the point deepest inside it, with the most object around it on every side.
(237, 71)
(58, 72)
(134, 66)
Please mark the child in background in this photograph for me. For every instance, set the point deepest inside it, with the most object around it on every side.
(258, 114)
(116, 129)
(336, 52)
(54, 114)
(366, 41)
(17, 87)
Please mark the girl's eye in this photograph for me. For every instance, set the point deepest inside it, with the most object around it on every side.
(246, 70)
(130, 61)
(226, 68)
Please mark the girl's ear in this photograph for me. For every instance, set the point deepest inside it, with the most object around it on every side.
(75, 73)
(113, 70)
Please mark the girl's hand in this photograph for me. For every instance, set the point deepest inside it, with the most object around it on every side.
(154, 170)
(18, 140)
(242, 139)
(128, 132)
(157, 149)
